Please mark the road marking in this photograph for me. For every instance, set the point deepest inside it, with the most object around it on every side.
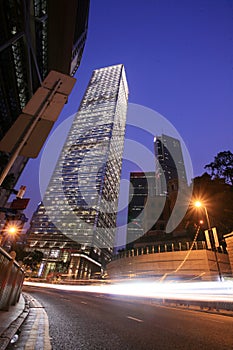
(134, 319)
(83, 302)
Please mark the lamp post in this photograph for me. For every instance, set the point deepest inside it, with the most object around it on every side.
(198, 204)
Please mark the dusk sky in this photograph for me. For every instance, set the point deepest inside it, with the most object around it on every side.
(178, 57)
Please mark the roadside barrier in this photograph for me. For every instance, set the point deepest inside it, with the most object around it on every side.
(11, 280)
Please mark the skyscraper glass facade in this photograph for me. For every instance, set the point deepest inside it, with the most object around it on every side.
(143, 187)
(82, 196)
(169, 162)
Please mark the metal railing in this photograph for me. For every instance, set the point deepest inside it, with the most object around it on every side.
(162, 248)
(11, 280)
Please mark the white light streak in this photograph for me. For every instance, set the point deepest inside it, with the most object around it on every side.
(202, 291)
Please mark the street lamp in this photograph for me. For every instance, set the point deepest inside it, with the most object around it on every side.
(199, 204)
(11, 231)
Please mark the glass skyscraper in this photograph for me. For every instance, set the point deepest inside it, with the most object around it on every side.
(154, 194)
(169, 163)
(82, 197)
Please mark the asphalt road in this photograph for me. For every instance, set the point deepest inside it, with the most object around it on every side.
(98, 322)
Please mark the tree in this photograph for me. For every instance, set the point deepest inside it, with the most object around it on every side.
(222, 167)
(33, 259)
(217, 196)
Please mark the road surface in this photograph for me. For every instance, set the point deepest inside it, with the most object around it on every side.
(97, 322)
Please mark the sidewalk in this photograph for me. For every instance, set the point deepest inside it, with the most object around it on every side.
(11, 320)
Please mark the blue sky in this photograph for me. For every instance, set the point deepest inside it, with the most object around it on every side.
(178, 57)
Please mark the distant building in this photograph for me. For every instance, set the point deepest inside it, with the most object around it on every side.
(150, 251)
(142, 187)
(154, 193)
(169, 164)
(36, 36)
(82, 196)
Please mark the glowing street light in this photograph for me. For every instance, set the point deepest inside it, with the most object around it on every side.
(199, 204)
(12, 230)
(10, 233)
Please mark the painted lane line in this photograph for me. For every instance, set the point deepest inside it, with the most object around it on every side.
(134, 319)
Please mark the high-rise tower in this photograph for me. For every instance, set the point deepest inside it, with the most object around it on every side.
(169, 163)
(82, 196)
(154, 194)
(143, 188)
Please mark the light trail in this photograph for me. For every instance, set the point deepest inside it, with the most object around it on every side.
(198, 291)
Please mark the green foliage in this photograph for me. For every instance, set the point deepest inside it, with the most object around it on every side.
(20, 252)
(222, 167)
(33, 259)
(217, 196)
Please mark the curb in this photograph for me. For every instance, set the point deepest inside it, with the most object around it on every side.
(8, 334)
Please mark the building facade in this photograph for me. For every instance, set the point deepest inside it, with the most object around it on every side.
(82, 197)
(169, 164)
(142, 187)
(171, 260)
(153, 194)
(36, 37)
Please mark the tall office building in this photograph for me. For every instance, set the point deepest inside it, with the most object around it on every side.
(143, 187)
(170, 168)
(154, 193)
(36, 36)
(82, 197)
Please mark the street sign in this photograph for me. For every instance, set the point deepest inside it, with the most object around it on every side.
(13, 135)
(29, 132)
(207, 237)
(34, 104)
(53, 109)
(67, 82)
(216, 241)
(37, 138)
(211, 237)
(34, 143)
(20, 203)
